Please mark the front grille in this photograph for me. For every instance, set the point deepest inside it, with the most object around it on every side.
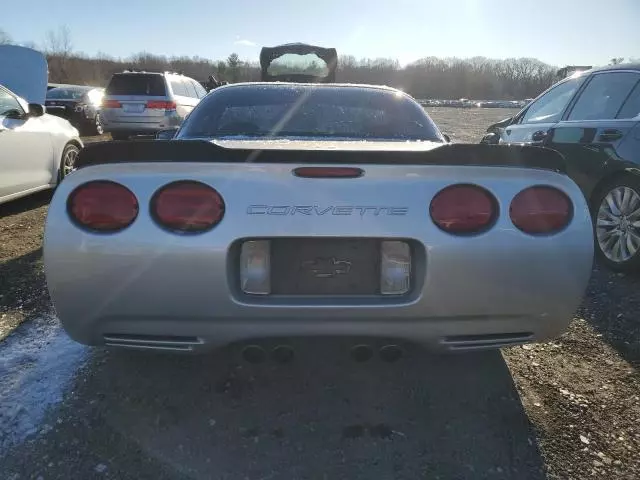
(330, 267)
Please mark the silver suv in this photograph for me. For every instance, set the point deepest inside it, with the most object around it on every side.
(142, 103)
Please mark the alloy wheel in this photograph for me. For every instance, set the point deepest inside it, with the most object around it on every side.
(618, 224)
(69, 161)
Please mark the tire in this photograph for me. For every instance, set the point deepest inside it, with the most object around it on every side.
(68, 160)
(616, 222)
(119, 136)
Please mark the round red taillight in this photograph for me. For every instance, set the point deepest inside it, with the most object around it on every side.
(463, 209)
(187, 206)
(102, 206)
(540, 210)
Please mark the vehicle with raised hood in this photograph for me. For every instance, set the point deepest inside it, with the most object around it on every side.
(37, 150)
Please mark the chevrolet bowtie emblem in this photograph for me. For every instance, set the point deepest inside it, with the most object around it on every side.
(322, 267)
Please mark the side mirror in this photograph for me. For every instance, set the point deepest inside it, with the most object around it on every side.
(35, 110)
(490, 139)
(447, 138)
(166, 134)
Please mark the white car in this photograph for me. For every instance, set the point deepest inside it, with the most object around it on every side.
(36, 149)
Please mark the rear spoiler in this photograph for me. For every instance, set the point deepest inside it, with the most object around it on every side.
(202, 151)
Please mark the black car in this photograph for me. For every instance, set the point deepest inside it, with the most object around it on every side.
(593, 119)
(78, 104)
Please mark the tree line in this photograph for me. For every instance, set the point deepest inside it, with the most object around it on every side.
(429, 77)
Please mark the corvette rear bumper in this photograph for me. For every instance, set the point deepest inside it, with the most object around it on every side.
(203, 334)
(147, 286)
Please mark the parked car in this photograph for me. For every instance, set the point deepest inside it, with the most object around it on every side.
(593, 119)
(142, 103)
(284, 210)
(78, 104)
(36, 149)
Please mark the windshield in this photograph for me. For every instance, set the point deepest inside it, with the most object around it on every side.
(290, 63)
(327, 112)
(67, 93)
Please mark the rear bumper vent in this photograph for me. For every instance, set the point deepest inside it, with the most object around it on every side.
(152, 342)
(490, 340)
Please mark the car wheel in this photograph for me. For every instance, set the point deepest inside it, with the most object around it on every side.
(68, 162)
(616, 221)
(99, 129)
(119, 136)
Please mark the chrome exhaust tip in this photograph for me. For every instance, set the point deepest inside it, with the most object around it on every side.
(254, 354)
(361, 353)
(283, 354)
(391, 353)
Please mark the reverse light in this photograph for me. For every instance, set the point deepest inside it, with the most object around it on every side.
(161, 105)
(187, 206)
(395, 268)
(540, 210)
(255, 267)
(102, 206)
(463, 209)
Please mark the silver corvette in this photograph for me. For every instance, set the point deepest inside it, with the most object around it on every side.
(296, 210)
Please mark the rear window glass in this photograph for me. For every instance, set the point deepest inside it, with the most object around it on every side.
(67, 93)
(327, 112)
(136, 84)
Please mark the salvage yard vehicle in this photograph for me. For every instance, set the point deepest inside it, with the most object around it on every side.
(288, 210)
(143, 103)
(593, 119)
(79, 104)
(36, 149)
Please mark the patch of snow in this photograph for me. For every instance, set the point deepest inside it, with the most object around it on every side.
(37, 362)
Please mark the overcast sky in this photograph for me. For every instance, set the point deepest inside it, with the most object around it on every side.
(556, 31)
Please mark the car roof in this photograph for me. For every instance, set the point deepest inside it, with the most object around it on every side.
(613, 68)
(74, 87)
(143, 72)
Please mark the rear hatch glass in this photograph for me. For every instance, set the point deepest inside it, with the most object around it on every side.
(137, 84)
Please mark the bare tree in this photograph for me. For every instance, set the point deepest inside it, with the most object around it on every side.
(5, 38)
(58, 42)
(58, 48)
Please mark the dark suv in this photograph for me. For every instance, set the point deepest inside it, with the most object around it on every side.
(593, 119)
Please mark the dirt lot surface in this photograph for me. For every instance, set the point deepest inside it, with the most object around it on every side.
(567, 409)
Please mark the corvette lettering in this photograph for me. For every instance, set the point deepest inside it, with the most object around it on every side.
(317, 210)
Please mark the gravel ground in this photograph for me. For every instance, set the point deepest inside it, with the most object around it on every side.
(567, 409)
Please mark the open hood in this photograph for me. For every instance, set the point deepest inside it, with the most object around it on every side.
(298, 62)
(24, 71)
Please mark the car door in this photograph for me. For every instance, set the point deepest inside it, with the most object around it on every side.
(25, 148)
(595, 127)
(532, 125)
